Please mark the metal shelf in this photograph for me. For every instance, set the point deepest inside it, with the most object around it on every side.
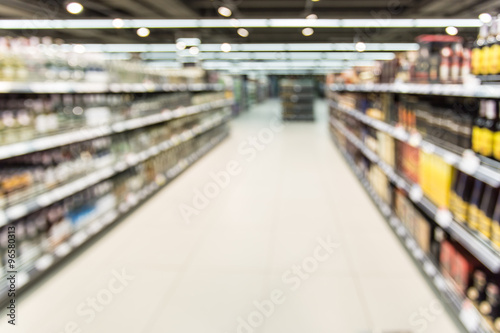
(22, 209)
(468, 315)
(84, 134)
(483, 173)
(79, 238)
(66, 87)
(459, 90)
(475, 245)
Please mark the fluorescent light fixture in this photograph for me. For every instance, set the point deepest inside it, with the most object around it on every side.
(235, 23)
(294, 47)
(245, 23)
(194, 50)
(74, 8)
(180, 46)
(224, 11)
(277, 55)
(189, 41)
(485, 17)
(225, 47)
(118, 23)
(360, 47)
(452, 31)
(143, 32)
(307, 31)
(243, 32)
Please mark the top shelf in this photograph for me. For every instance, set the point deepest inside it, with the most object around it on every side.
(459, 90)
(69, 87)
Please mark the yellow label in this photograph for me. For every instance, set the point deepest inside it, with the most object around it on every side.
(476, 61)
(461, 215)
(494, 58)
(483, 67)
(487, 142)
(484, 224)
(476, 139)
(495, 233)
(473, 217)
(453, 202)
(496, 145)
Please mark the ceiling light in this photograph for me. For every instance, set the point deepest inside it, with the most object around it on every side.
(225, 47)
(307, 31)
(74, 7)
(243, 32)
(79, 48)
(452, 31)
(118, 23)
(314, 0)
(360, 46)
(312, 17)
(143, 32)
(485, 17)
(224, 11)
(180, 46)
(194, 50)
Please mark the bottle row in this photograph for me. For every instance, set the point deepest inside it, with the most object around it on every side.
(24, 117)
(453, 123)
(467, 276)
(473, 203)
(26, 176)
(44, 230)
(486, 49)
(44, 59)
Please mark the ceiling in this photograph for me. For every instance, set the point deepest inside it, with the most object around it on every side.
(170, 9)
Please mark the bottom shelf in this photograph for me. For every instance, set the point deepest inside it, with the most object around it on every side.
(462, 309)
(24, 279)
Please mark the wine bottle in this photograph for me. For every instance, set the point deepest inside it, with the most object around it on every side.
(475, 201)
(488, 128)
(487, 208)
(477, 57)
(478, 128)
(477, 292)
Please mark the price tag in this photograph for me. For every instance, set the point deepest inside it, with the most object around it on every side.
(22, 279)
(62, 250)
(415, 139)
(16, 212)
(44, 262)
(469, 316)
(440, 283)
(78, 238)
(94, 228)
(470, 162)
(444, 217)
(429, 269)
(416, 193)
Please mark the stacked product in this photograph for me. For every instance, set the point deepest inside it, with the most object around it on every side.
(407, 149)
(72, 163)
(297, 97)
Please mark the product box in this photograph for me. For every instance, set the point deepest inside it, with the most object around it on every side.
(423, 232)
(446, 258)
(461, 271)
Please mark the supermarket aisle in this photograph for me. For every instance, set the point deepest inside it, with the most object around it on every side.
(290, 226)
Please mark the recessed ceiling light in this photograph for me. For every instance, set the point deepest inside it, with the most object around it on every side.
(143, 32)
(74, 7)
(180, 46)
(194, 50)
(312, 17)
(224, 11)
(79, 48)
(225, 47)
(243, 32)
(452, 31)
(314, 0)
(307, 31)
(360, 46)
(485, 17)
(118, 23)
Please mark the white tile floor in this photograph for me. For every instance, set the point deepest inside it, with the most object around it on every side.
(205, 276)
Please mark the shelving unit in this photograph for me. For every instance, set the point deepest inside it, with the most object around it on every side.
(104, 222)
(199, 128)
(468, 315)
(459, 90)
(297, 99)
